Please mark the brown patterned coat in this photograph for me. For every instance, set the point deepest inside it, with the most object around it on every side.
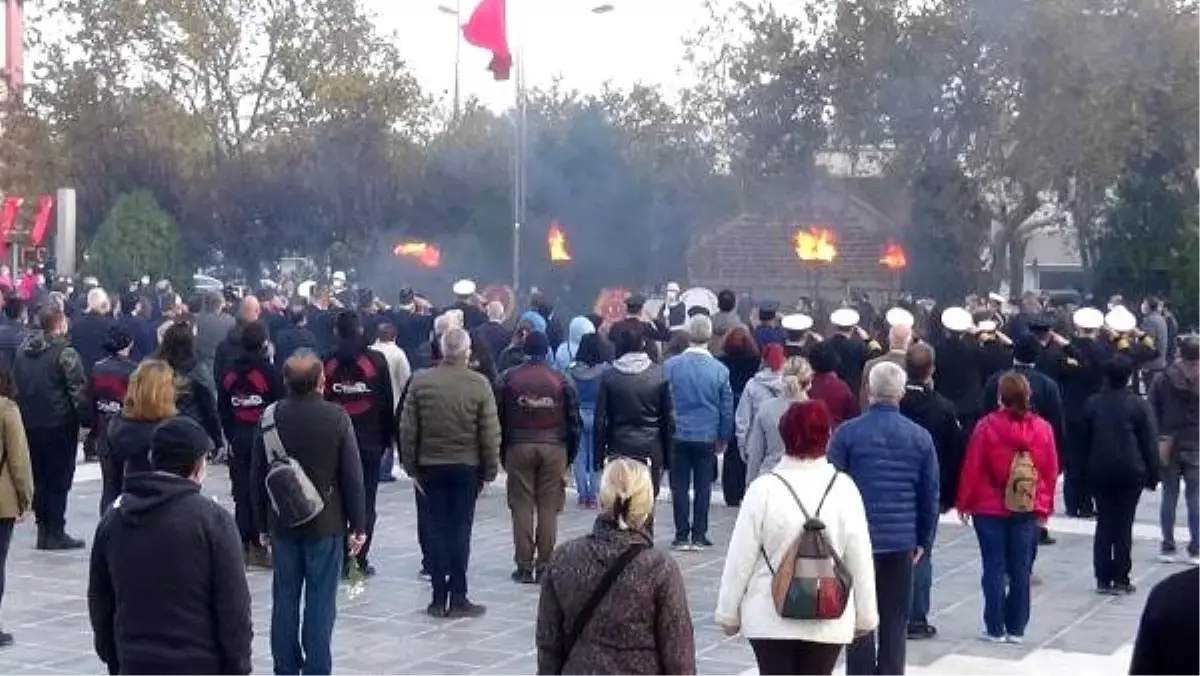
(643, 625)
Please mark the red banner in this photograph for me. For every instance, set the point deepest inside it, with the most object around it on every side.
(8, 217)
(38, 233)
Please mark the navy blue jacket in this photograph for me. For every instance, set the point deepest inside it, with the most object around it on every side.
(893, 461)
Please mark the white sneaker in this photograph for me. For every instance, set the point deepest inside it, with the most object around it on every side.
(1166, 558)
(1016, 640)
(1193, 560)
(992, 639)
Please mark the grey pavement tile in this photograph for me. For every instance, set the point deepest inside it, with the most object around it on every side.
(707, 667)
(479, 658)
(1000, 651)
(524, 664)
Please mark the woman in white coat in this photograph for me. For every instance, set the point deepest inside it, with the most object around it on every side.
(769, 522)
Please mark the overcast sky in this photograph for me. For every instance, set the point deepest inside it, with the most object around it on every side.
(640, 40)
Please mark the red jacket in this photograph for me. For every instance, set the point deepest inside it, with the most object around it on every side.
(989, 456)
(836, 394)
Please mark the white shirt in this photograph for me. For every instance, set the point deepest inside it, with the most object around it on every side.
(770, 519)
(398, 367)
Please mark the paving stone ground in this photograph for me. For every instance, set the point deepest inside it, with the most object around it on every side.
(385, 630)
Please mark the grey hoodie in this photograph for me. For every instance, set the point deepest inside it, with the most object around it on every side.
(766, 384)
(764, 447)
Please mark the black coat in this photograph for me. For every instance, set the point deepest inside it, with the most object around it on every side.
(88, 335)
(494, 336)
(959, 376)
(144, 333)
(289, 340)
(937, 415)
(635, 415)
(1169, 623)
(53, 387)
(167, 592)
(1121, 440)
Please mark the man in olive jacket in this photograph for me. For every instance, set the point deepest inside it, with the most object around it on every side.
(450, 447)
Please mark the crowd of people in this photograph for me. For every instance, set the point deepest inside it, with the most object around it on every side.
(841, 449)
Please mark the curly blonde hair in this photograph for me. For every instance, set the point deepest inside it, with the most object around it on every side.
(627, 492)
(797, 378)
(151, 393)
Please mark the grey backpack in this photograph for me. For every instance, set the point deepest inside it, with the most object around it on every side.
(294, 498)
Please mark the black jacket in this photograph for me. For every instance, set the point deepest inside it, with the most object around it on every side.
(412, 331)
(52, 384)
(1046, 399)
(227, 351)
(1083, 375)
(289, 339)
(494, 337)
(852, 357)
(12, 335)
(128, 443)
(938, 416)
(1170, 622)
(195, 400)
(109, 383)
(145, 335)
(1175, 396)
(635, 415)
(357, 379)
(1121, 440)
(959, 376)
(244, 391)
(167, 593)
(320, 437)
(88, 335)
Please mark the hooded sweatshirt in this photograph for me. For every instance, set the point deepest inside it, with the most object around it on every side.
(989, 456)
(167, 592)
(766, 384)
(1175, 397)
(634, 411)
(565, 354)
(50, 377)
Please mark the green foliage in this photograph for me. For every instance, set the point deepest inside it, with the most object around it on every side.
(137, 238)
(944, 256)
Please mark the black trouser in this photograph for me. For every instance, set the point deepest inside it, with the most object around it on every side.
(778, 657)
(370, 464)
(6, 533)
(241, 446)
(423, 528)
(1116, 506)
(451, 491)
(52, 456)
(868, 656)
(112, 481)
(1077, 495)
(733, 475)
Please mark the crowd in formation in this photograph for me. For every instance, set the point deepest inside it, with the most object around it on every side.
(841, 448)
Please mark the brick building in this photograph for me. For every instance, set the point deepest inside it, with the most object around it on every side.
(755, 252)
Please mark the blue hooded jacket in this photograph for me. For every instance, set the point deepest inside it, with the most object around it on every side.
(580, 327)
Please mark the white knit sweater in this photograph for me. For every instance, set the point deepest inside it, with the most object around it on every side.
(769, 516)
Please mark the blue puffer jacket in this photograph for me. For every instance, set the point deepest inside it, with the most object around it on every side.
(702, 395)
(893, 461)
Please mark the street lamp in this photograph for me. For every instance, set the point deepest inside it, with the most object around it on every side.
(456, 12)
(519, 152)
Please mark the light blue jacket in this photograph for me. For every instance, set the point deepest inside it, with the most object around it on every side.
(702, 396)
(565, 354)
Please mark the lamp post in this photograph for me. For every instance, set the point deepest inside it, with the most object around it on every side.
(456, 12)
(519, 148)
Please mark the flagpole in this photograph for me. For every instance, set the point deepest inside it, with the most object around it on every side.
(518, 166)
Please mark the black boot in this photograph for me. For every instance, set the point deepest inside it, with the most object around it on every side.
(60, 541)
(43, 535)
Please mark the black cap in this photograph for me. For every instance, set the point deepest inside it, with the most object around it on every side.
(537, 344)
(118, 339)
(1041, 322)
(1026, 349)
(177, 443)
(406, 296)
(767, 310)
(635, 303)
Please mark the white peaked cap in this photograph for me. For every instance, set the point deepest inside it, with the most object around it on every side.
(796, 322)
(987, 325)
(1088, 318)
(898, 316)
(339, 276)
(673, 286)
(304, 290)
(464, 287)
(956, 319)
(995, 297)
(844, 317)
(1120, 319)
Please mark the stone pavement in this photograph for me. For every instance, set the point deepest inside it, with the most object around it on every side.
(386, 631)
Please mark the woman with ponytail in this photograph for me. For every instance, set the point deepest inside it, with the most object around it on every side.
(611, 603)
(764, 447)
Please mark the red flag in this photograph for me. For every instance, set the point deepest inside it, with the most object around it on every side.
(45, 204)
(8, 217)
(488, 29)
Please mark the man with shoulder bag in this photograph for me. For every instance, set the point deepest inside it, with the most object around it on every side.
(308, 491)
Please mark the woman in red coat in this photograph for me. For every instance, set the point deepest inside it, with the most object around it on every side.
(1007, 539)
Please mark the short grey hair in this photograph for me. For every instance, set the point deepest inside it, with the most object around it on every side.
(495, 311)
(699, 328)
(456, 345)
(886, 382)
(97, 300)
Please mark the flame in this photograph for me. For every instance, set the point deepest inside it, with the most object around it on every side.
(558, 243)
(426, 254)
(815, 244)
(893, 256)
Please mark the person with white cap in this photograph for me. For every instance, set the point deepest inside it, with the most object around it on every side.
(853, 345)
(468, 302)
(674, 312)
(960, 365)
(1083, 377)
(994, 345)
(799, 336)
(1127, 339)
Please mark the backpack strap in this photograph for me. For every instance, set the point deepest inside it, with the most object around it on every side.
(272, 444)
(799, 504)
(593, 602)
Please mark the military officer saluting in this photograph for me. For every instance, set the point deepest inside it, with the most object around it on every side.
(960, 365)
(853, 345)
(800, 338)
(1126, 338)
(1083, 376)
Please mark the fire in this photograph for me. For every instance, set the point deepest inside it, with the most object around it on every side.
(558, 243)
(893, 256)
(424, 253)
(815, 244)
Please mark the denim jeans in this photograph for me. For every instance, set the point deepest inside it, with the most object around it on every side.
(450, 492)
(587, 479)
(1006, 545)
(312, 566)
(1170, 500)
(692, 464)
(918, 613)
